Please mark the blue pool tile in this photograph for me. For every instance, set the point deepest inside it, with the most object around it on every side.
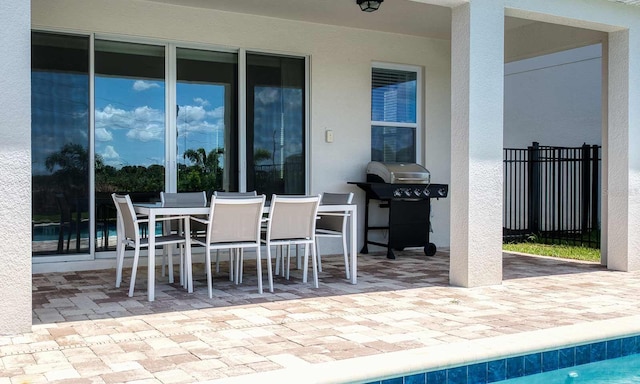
(437, 377)
(395, 380)
(420, 378)
(583, 354)
(374, 382)
(566, 357)
(637, 348)
(457, 375)
(515, 367)
(550, 360)
(477, 374)
(598, 351)
(496, 370)
(628, 346)
(614, 348)
(532, 364)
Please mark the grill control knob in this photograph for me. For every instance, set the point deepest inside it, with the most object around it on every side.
(426, 192)
(441, 192)
(417, 192)
(407, 192)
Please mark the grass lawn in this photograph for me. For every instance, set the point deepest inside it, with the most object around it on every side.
(555, 250)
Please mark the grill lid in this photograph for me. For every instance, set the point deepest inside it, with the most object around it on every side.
(397, 173)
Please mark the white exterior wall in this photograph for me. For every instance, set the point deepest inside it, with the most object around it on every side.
(554, 99)
(340, 77)
(15, 167)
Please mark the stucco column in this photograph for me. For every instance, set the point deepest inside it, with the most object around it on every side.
(477, 89)
(622, 189)
(15, 167)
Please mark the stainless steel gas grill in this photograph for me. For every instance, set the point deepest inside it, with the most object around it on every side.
(406, 190)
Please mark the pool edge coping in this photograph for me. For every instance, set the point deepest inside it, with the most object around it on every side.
(401, 363)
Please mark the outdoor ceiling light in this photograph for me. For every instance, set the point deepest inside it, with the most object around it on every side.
(369, 5)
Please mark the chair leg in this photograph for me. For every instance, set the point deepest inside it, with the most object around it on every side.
(269, 271)
(346, 257)
(189, 271)
(207, 266)
(240, 264)
(170, 262)
(258, 269)
(313, 262)
(306, 265)
(134, 270)
(318, 255)
(233, 270)
(119, 264)
(218, 260)
(288, 265)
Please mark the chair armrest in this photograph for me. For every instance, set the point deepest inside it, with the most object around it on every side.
(203, 221)
(340, 214)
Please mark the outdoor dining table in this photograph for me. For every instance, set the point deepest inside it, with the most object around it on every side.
(154, 210)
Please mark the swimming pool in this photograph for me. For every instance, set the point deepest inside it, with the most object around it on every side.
(568, 365)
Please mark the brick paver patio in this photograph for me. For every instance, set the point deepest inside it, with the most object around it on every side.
(87, 331)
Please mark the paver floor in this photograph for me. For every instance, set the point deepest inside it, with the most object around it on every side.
(87, 331)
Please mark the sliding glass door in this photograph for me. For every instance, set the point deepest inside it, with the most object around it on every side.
(207, 134)
(129, 128)
(60, 143)
(165, 118)
(275, 124)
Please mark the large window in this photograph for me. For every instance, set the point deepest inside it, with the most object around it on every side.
(394, 114)
(60, 143)
(164, 118)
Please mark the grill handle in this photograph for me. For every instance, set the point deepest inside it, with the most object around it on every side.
(418, 179)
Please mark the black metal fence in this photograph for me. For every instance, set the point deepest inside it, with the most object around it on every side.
(553, 194)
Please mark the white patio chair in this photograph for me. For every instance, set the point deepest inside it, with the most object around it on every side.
(196, 199)
(130, 236)
(334, 225)
(233, 223)
(292, 221)
(232, 276)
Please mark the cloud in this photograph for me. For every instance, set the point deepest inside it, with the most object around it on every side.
(109, 153)
(149, 132)
(143, 123)
(141, 85)
(189, 113)
(217, 113)
(201, 101)
(103, 135)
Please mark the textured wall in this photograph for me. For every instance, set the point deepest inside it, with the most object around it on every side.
(15, 167)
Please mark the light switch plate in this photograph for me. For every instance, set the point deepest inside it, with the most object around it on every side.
(328, 136)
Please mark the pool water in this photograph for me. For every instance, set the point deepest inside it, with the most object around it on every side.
(622, 370)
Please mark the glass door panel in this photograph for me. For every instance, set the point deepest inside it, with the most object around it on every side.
(60, 143)
(207, 134)
(275, 124)
(129, 128)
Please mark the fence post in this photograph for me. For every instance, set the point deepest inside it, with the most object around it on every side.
(586, 188)
(595, 181)
(533, 187)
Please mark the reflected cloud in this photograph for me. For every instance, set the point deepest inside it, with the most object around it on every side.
(103, 135)
(141, 85)
(201, 101)
(149, 132)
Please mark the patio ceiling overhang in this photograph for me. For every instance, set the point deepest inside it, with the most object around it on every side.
(423, 18)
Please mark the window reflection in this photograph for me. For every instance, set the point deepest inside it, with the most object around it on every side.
(59, 143)
(206, 93)
(275, 124)
(129, 128)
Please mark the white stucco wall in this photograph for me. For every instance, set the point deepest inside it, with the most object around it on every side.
(554, 99)
(15, 168)
(339, 77)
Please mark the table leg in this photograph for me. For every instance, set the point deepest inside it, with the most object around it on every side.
(353, 220)
(151, 278)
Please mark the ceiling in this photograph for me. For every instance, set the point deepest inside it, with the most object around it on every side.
(395, 16)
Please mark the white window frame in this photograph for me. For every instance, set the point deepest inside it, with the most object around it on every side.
(418, 125)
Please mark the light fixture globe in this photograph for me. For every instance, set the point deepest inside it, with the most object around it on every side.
(369, 5)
